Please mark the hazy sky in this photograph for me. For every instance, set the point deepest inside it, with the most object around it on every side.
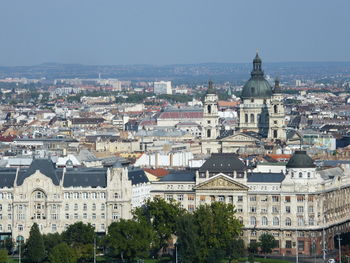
(172, 31)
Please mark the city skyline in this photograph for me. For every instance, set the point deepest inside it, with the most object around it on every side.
(164, 33)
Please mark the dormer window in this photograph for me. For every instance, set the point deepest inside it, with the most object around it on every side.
(300, 175)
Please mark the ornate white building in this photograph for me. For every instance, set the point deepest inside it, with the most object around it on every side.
(299, 205)
(55, 197)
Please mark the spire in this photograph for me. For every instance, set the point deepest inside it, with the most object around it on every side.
(210, 88)
(277, 88)
(257, 71)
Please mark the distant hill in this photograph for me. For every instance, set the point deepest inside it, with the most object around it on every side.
(235, 73)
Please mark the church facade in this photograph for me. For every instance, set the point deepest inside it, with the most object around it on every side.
(261, 115)
(262, 109)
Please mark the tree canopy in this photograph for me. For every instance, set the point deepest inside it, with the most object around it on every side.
(162, 216)
(62, 253)
(267, 243)
(35, 250)
(129, 239)
(212, 229)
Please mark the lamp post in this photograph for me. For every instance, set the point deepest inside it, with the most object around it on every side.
(296, 246)
(339, 247)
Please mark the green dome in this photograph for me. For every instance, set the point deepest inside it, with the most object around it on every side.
(300, 159)
(257, 86)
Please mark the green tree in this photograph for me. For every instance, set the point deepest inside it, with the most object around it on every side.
(62, 253)
(162, 216)
(8, 244)
(79, 233)
(80, 237)
(129, 239)
(51, 240)
(208, 234)
(217, 226)
(35, 250)
(235, 249)
(253, 248)
(3, 256)
(187, 242)
(267, 243)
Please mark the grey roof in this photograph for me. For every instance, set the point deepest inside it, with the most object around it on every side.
(45, 166)
(223, 163)
(300, 159)
(183, 176)
(137, 176)
(85, 177)
(7, 177)
(265, 177)
(74, 177)
(330, 173)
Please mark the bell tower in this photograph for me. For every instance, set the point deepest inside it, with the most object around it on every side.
(210, 124)
(277, 115)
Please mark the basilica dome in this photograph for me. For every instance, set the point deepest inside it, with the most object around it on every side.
(257, 86)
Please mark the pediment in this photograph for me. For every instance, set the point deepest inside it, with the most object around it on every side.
(221, 182)
(239, 137)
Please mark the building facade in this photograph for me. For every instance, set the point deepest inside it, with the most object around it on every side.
(303, 208)
(55, 198)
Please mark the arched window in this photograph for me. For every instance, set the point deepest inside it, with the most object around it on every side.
(208, 133)
(288, 221)
(264, 221)
(209, 109)
(246, 118)
(275, 109)
(276, 221)
(252, 119)
(253, 220)
(300, 175)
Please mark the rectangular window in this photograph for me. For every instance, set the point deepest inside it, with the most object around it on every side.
(240, 198)
(190, 197)
(54, 228)
(67, 216)
(252, 198)
(287, 199)
(253, 209)
(311, 209)
(202, 198)
(190, 208)
(288, 244)
(180, 197)
(301, 245)
(264, 198)
(287, 209)
(240, 209)
(274, 209)
(114, 216)
(300, 198)
(275, 198)
(310, 198)
(169, 197)
(300, 209)
(76, 216)
(221, 198)
(85, 215)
